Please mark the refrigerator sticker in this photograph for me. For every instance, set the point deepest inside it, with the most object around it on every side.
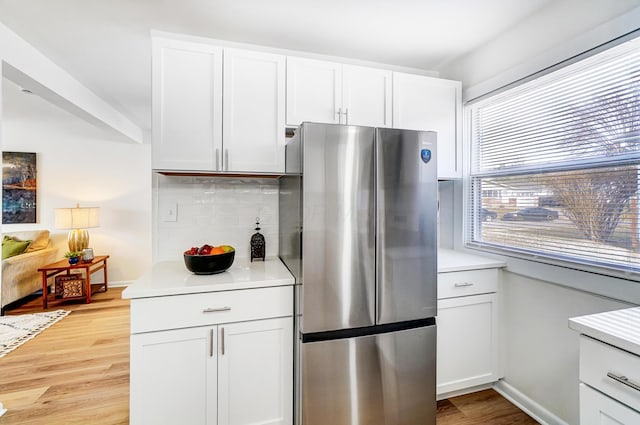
(425, 154)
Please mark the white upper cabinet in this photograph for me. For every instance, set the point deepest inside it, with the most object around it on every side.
(253, 111)
(366, 96)
(195, 97)
(222, 109)
(434, 104)
(187, 104)
(314, 91)
(329, 92)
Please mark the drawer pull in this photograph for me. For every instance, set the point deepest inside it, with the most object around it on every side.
(216, 309)
(462, 285)
(624, 380)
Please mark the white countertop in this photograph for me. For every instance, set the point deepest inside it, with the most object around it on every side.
(173, 278)
(453, 261)
(620, 328)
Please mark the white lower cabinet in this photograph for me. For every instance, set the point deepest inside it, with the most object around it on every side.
(255, 373)
(174, 377)
(228, 373)
(467, 348)
(610, 384)
(598, 409)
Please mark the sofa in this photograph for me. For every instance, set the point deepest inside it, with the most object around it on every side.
(20, 276)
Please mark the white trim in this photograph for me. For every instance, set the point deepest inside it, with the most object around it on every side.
(287, 52)
(120, 283)
(527, 405)
(599, 35)
(464, 391)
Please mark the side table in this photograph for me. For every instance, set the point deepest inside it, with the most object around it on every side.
(98, 263)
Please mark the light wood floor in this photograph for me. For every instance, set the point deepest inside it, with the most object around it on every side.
(77, 372)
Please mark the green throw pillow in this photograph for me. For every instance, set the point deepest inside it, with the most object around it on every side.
(12, 247)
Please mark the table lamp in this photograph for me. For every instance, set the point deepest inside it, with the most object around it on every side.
(78, 220)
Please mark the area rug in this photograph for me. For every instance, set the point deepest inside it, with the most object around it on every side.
(16, 330)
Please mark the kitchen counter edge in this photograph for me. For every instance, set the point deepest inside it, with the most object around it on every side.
(455, 261)
(167, 278)
(620, 328)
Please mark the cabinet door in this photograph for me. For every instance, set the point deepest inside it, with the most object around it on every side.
(173, 377)
(467, 342)
(314, 91)
(366, 96)
(187, 104)
(256, 372)
(426, 103)
(598, 409)
(253, 123)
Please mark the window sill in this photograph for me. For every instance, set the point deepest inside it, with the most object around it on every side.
(608, 283)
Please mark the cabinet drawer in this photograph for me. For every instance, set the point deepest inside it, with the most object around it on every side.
(209, 308)
(598, 409)
(600, 364)
(470, 282)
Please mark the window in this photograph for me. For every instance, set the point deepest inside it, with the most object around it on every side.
(555, 164)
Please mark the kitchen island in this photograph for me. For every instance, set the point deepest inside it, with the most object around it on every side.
(204, 347)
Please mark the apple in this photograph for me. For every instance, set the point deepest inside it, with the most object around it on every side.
(205, 249)
(192, 251)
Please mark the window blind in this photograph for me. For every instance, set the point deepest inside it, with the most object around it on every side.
(555, 164)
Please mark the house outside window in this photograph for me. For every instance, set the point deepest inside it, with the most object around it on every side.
(555, 164)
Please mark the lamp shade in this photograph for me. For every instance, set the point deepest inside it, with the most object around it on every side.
(77, 218)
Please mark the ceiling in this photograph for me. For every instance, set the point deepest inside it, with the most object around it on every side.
(106, 44)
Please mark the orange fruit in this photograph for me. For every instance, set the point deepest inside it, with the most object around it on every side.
(217, 250)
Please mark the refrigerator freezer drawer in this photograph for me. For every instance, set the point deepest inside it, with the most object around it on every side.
(377, 379)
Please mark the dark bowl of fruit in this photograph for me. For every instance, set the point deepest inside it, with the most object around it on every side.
(209, 259)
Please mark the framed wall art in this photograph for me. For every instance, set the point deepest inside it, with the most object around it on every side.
(18, 187)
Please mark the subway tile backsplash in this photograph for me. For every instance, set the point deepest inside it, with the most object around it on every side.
(192, 211)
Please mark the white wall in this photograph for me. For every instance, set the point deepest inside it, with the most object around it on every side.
(78, 162)
(540, 352)
(216, 211)
(564, 28)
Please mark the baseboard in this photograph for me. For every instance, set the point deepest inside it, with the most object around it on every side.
(527, 405)
(120, 283)
(463, 392)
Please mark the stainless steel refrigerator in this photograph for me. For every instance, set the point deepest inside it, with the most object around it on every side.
(358, 220)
